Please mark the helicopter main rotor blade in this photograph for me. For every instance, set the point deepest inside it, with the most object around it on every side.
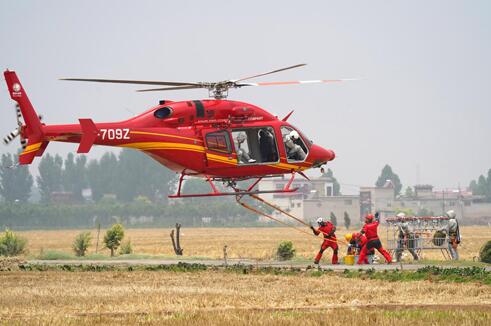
(140, 82)
(270, 72)
(297, 82)
(169, 88)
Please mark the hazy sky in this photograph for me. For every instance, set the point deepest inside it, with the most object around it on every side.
(423, 105)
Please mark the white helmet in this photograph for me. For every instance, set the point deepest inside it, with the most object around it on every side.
(294, 134)
(241, 137)
(401, 215)
(404, 227)
(451, 214)
(320, 221)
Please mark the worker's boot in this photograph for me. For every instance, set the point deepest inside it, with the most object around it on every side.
(386, 255)
(334, 259)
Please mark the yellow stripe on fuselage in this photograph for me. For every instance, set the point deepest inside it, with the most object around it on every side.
(163, 145)
(221, 159)
(32, 148)
(164, 135)
(147, 146)
(285, 166)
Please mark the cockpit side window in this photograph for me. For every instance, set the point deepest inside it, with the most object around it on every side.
(296, 150)
(219, 142)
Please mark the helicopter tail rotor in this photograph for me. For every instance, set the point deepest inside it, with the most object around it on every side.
(29, 125)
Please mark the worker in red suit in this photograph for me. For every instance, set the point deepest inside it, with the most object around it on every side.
(373, 241)
(327, 229)
(356, 242)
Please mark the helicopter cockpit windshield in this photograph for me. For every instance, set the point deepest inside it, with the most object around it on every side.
(295, 148)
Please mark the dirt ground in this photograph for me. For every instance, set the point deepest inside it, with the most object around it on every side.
(254, 243)
(221, 297)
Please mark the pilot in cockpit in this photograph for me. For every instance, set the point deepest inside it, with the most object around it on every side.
(294, 151)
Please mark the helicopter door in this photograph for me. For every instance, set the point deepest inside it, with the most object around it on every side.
(218, 149)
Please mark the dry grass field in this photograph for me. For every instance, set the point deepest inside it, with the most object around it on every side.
(227, 297)
(255, 243)
(224, 297)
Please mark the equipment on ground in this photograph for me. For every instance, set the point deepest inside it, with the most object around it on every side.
(426, 233)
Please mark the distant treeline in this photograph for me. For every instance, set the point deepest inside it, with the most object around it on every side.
(136, 214)
(130, 188)
(127, 176)
(482, 187)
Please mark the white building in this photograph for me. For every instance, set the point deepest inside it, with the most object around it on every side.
(315, 198)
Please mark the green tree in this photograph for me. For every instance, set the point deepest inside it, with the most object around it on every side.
(113, 237)
(11, 244)
(140, 175)
(75, 175)
(487, 191)
(103, 176)
(285, 250)
(334, 219)
(482, 184)
(482, 187)
(347, 220)
(388, 174)
(336, 186)
(81, 243)
(50, 176)
(409, 192)
(473, 187)
(485, 253)
(15, 182)
(126, 248)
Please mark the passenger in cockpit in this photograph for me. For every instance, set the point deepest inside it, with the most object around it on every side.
(242, 155)
(267, 146)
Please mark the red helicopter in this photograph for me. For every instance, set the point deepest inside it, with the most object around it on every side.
(218, 139)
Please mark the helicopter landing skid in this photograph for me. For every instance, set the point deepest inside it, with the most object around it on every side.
(237, 191)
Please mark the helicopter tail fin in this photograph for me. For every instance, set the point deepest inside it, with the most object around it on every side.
(32, 131)
(89, 134)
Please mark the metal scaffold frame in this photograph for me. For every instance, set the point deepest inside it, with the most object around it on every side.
(424, 229)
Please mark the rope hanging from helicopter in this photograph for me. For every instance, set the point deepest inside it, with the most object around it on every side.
(238, 198)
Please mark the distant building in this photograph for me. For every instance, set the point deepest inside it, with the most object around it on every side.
(63, 197)
(425, 201)
(315, 198)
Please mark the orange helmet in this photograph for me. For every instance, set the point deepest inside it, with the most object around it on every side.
(369, 218)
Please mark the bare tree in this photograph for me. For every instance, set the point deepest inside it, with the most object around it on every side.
(176, 242)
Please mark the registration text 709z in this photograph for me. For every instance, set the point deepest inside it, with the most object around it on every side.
(115, 133)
